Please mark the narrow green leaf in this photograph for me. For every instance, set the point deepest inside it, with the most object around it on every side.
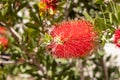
(31, 25)
(119, 17)
(99, 1)
(99, 23)
(88, 17)
(22, 6)
(110, 16)
(5, 9)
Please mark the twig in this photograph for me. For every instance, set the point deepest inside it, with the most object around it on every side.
(7, 62)
(15, 34)
(105, 70)
(3, 24)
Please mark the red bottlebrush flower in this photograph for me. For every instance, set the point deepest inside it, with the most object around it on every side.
(2, 30)
(3, 41)
(73, 39)
(117, 37)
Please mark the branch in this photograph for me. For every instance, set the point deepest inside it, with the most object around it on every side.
(15, 34)
(7, 62)
(19, 40)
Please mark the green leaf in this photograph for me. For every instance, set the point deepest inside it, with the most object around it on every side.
(48, 37)
(88, 17)
(46, 40)
(22, 68)
(99, 1)
(16, 70)
(115, 20)
(1, 71)
(110, 16)
(31, 25)
(119, 17)
(99, 23)
(22, 6)
(101, 52)
(5, 9)
(35, 15)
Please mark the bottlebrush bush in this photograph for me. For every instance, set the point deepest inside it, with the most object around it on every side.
(54, 39)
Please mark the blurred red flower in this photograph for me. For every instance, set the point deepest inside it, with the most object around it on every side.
(3, 41)
(2, 30)
(50, 4)
(117, 37)
(73, 39)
